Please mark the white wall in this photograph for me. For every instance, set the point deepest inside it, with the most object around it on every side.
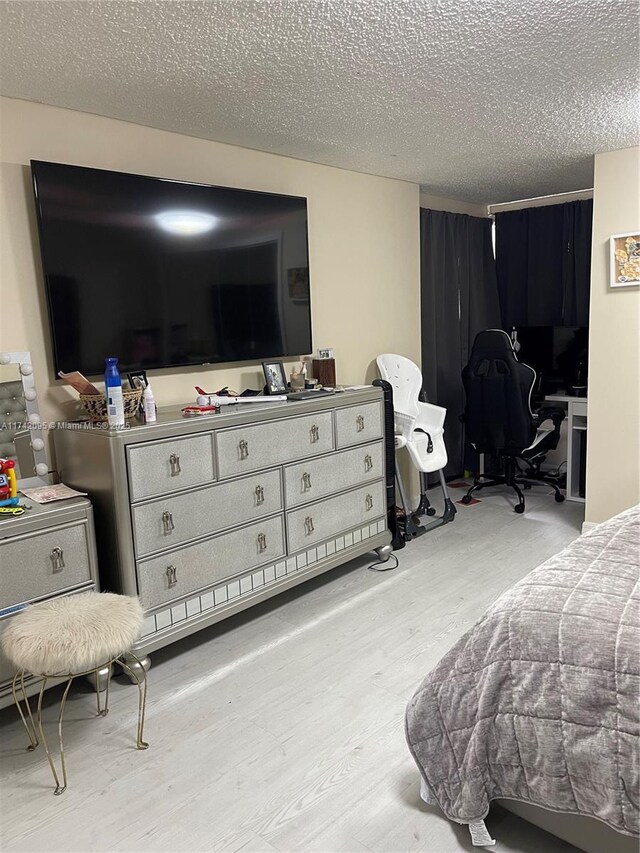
(613, 446)
(436, 202)
(363, 240)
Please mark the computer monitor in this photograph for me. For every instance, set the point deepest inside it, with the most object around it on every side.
(559, 356)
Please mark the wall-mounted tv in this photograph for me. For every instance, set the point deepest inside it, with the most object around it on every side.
(162, 273)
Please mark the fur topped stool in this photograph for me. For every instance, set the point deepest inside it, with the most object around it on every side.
(68, 637)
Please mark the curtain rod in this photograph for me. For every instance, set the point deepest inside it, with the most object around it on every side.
(525, 202)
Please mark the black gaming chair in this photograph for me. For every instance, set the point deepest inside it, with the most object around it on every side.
(499, 419)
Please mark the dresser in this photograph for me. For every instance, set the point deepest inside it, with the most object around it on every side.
(47, 552)
(204, 517)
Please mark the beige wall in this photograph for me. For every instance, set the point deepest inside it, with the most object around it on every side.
(451, 205)
(613, 457)
(363, 239)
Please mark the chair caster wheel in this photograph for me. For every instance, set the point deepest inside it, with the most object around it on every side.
(519, 509)
(559, 499)
(431, 511)
(466, 499)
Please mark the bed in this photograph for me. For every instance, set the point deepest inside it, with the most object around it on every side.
(538, 704)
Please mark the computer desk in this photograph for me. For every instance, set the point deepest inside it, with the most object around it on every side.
(576, 408)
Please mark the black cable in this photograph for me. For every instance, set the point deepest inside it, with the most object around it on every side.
(372, 567)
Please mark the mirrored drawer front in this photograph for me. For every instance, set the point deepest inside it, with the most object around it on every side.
(357, 424)
(37, 564)
(172, 520)
(196, 566)
(162, 467)
(320, 521)
(317, 478)
(262, 445)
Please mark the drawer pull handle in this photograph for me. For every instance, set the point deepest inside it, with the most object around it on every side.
(167, 522)
(368, 462)
(172, 576)
(243, 448)
(259, 495)
(360, 423)
(57, 559)
(315, 434)
(306, 482)
(174, 462)
(308, 525)
(368, 502)
(262, 542)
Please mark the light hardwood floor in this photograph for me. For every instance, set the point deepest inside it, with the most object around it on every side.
(282, 729)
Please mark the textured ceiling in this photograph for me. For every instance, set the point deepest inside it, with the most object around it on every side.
(483, 100)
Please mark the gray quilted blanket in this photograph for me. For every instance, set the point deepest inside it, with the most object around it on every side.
(539, 701)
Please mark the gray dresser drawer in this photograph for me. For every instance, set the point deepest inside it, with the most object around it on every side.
(163, 467)
(358, 424)
(169, 521)
(37, 564)
(317, 478)
(186, 570)
(7, 669)
(247, 448)
(317, 522)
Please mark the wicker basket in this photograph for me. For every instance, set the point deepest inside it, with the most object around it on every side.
(96, 405)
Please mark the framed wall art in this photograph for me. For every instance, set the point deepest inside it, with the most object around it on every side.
(624, 253)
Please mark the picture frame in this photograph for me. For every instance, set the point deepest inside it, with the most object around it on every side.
(138, 374)
(142, 376)
(624, 259)
(275, 378)
(325, 353)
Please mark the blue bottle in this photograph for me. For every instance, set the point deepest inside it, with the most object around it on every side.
(113, 393)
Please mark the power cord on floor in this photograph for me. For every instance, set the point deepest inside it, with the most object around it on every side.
(373, 566)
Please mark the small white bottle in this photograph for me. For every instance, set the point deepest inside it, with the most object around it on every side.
(149, 405)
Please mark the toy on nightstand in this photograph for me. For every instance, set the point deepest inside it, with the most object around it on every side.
(8, 483)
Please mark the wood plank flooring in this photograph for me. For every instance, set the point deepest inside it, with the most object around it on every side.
(282, 729)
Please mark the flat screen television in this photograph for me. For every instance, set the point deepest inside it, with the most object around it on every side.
(162, 273)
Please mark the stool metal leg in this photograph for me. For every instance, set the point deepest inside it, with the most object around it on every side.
(139, 676)
(43, 738)
(62, 761)
(31, 729)
(102, 712)
(60, 789)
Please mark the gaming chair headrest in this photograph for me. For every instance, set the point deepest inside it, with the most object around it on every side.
(493, 343)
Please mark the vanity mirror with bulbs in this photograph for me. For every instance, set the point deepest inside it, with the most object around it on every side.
(20, 424)
(47, 550)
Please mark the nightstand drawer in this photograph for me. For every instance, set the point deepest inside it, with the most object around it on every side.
(37, 564)
(186, 570)
(163, 467)
(579, 408)
(172, 520)
(317, 478)
(246, 448)
(358, 424)
(325, 519)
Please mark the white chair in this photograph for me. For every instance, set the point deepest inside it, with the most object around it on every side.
(419, 426)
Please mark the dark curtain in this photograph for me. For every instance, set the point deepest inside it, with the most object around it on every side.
(543, 262)
(459, 298)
